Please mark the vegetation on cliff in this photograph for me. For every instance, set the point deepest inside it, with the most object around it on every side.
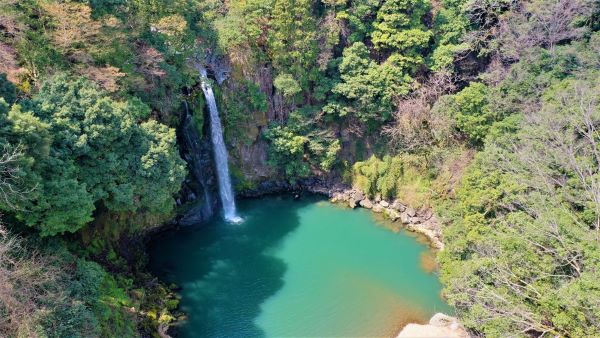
(397, 97)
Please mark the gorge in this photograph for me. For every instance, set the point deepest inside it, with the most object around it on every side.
(158, 161)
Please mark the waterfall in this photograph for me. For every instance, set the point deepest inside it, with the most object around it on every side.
(220, 152)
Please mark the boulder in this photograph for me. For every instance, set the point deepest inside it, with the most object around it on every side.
(358, 196)
(440, 326)
(428, 224)
(352, 203)
(427, 214)
(411, 212)
(366, 203)
(377, 208)
(397, 205)
(442, 319)
(392, 214)
(404, 218)
(384, 203)
(378, 198)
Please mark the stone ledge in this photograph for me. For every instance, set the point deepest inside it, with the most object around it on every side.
(422, 221)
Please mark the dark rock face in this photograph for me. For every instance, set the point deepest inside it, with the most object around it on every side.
(200, 189)
(314, 185)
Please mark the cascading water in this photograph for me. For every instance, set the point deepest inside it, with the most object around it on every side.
(221, 164)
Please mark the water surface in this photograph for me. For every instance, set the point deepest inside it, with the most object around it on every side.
(297, 269)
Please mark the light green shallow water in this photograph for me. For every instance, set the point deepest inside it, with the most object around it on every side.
(297, 269)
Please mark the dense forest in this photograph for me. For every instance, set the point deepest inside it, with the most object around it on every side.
(486, 111)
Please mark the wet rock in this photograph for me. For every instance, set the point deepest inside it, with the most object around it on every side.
(336, 197)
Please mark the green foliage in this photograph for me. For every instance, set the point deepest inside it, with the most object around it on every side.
(7, 90)
(242, 102)
(522, 245)
(108, 300)
(450, 26)
(286, 84)
(367, 89)
(241, 32)
(404, 177)
(293, 40)
(299, 150)
(57, 294)
(83, 148)
(360, 16)
(470, 110)
(399, 27)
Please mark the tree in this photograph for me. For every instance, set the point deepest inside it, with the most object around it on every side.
(545, 24)
(73, 25)
(367, 89)
(98, 152)
(243, 32)
(399, 27)
(415, 128)
(359, 18)
(299, 149)
(470, 110)
(7, 90)
(286, 84)
(293, 40)
(523, 249)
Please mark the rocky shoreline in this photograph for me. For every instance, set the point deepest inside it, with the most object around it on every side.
(421, 221)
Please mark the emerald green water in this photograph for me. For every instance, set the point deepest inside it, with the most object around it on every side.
(297, 269)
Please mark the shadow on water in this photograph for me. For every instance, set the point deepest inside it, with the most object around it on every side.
(224, 270)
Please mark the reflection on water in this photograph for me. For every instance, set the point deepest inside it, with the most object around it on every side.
(296, 268)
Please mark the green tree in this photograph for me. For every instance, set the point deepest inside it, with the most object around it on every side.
(367, 89)
(7, 90)
(470, 110)
(286, 84)
(299, 149)
(87, 149)
(293, 40)
(399, 27)
(522, 248)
